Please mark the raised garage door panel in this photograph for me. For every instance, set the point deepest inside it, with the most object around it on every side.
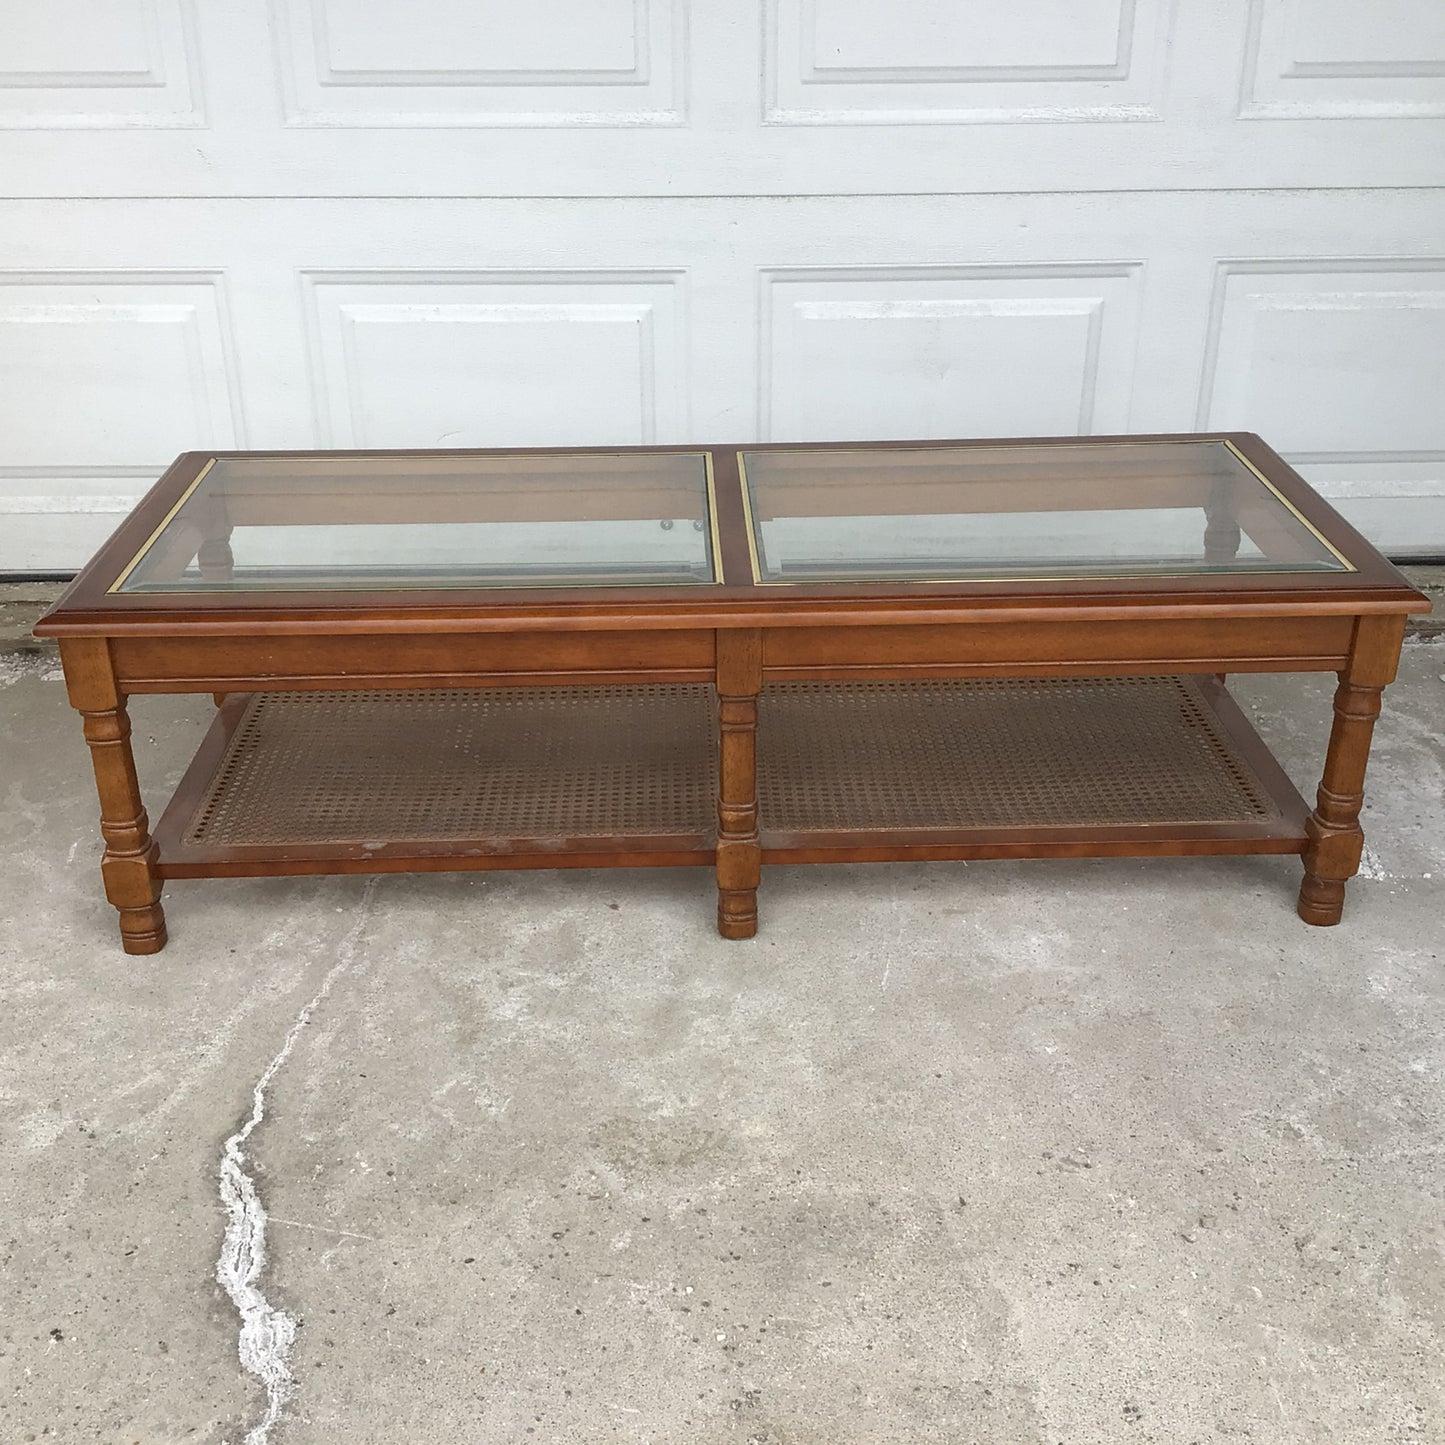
(560, 358)
(73, 64)
(1339, 364)
(455, 63)
(1338, 59)
(339, 223)
(659, 97)
(103, 376)
(949, 351)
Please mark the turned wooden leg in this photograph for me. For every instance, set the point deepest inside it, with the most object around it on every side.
(132, 882)
(739, 853)
(1332, 854)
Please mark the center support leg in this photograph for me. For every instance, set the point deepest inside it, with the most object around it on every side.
(1221, 531)
(128, 866)
(217, 563)
(739, 852)
(215, 560)
(1332, 855)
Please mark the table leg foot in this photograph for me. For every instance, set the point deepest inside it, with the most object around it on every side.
(128, 870)
(143, 930)
(1321, 900)
(737, 912)
(1332, 857)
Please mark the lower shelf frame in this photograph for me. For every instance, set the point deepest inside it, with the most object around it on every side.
(1279, 830)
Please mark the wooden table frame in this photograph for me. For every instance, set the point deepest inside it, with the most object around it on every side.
(738, 636)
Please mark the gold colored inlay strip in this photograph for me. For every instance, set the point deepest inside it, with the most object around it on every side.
(714, 532)
(165, 522)
(1101, 574)
(1289, 506)
(752, 530)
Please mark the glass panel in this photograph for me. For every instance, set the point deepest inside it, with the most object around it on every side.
(333, 523)
(963, 513)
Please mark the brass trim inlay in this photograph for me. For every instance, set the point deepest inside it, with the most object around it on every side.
(752, 530)
(165, 522)
(525, 584)
(1294, 511)
(714, 531)
(1103, 573)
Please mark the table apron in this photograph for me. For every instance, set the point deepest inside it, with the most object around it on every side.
(342, 662)
(977, 648)
(1225, 644)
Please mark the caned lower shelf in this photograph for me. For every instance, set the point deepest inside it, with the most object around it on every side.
(448, 778)
(586, 776)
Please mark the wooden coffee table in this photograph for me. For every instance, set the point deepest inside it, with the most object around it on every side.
(726, 657)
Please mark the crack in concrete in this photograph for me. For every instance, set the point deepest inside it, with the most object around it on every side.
(267, 1333)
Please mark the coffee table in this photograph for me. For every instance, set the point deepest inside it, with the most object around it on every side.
(726, 657)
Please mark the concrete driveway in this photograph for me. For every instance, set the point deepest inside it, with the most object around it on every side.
(1000, 1154)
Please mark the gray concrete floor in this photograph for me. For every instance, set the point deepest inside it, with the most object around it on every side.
(1005, 1154)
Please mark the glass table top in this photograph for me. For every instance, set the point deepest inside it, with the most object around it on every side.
(914, 514)
(910, 513)
(335, 523)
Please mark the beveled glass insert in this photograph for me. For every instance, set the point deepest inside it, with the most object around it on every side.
(1085, 509)
(323, 522)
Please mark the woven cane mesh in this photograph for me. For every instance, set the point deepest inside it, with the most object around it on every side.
(546, 763)
(1013, 753)
(326, 767)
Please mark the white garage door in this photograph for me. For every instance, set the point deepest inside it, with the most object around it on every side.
(473, 222)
